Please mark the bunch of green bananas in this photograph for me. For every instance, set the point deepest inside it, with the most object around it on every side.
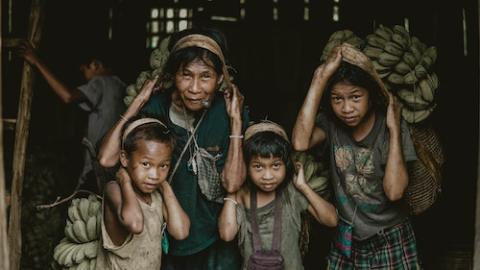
(78, 250)
(158, 59)
(316, 173)
(405, 65)
(340, 37)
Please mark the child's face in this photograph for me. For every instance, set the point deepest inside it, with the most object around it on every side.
(267, 173)
(148, 165)
(196, 82)
(350, 103)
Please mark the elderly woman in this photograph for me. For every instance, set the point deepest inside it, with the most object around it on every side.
(208, 125)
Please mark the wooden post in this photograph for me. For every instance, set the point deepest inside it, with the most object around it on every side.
(476, 244)
(21, 139)
(4, 261)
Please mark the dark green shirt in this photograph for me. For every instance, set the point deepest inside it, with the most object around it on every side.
(212, 135)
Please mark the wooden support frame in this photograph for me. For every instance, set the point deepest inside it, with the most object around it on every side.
(476, 243)
(4, 259)
(21, 139)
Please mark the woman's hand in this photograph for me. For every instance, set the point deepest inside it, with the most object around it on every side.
(234, 102)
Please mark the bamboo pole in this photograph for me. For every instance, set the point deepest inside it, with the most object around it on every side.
(4, 261)
(476, 244)
(21, 139)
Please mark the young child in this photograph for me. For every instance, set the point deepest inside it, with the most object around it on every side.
(270, 171)
(134, 209)
(369, 148)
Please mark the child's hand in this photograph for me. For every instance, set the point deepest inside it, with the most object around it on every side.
(326, 70)
(147, 89)
(123, 177)
(393, 113)
(26, 51)
(299, 177)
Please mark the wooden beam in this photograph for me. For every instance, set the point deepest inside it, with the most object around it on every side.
(476, 244)
(21, 139)
(4, 261)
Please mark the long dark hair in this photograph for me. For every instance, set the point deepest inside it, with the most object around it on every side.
(268, 144)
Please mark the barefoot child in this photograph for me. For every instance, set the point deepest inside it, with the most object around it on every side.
(269, 205)
(140, 200)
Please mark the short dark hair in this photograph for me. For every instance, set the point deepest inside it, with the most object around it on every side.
(187, 55)
(268, 144)
(354, 75)
(102, 52)
(147, 132)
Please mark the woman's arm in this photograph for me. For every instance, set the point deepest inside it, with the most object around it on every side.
(323, 211)
(178, 223)
(304, 135)
(234, 171)
(395, 180)
(109, 152)
(227, 222)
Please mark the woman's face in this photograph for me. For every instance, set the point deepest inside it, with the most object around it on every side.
(196, 83)
(350, 103)
(267, 173)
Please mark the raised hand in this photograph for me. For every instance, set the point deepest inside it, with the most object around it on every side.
(299, 178)
(122, 177)
(326, 70)
(26, 51)
(234, 102)
(393, 113)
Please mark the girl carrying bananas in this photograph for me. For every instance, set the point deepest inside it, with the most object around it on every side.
(134, 209)
(369, 148)
(265, 213)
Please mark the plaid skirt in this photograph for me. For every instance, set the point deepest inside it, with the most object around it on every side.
(394, 248)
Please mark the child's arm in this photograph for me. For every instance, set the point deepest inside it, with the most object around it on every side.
(109, 152)
(227, 222)
(305, 134)
(178, 223)
(234, 171)
(123, 203)
(395, 180)
(323, 211)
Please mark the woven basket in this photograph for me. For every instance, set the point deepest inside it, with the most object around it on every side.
(425, 173)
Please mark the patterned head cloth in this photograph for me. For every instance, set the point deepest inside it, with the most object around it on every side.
(265, 126)
(355, 57)
(207, 43)
(137, 123)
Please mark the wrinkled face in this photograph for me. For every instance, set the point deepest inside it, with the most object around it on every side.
(148, 165)
(196, 82)
(350, 103)
(267, 173)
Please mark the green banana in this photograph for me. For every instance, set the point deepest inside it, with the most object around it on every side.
(387, 59)
(131, 90)
(426, 89)
(80, 231)
(90, 249)
(372, 52)
(409, 59)
(395, 78)
(393, 48)
(92, 228)
(415, 116)
(401, 40)
(141, 79)
(432, 53)
(376, 41)
(420, 71)
(384, 32)
(402, 68)
(412, 99)
(69, 233)
(410, 77)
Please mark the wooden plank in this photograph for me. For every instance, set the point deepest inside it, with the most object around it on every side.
(476, 244)
(4, 261)
(21, 139)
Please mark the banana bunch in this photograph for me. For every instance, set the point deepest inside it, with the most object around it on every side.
(76, 256)
(316, 173)
(405, 65)
(338, 38)
(78, 249)
(158, 59)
